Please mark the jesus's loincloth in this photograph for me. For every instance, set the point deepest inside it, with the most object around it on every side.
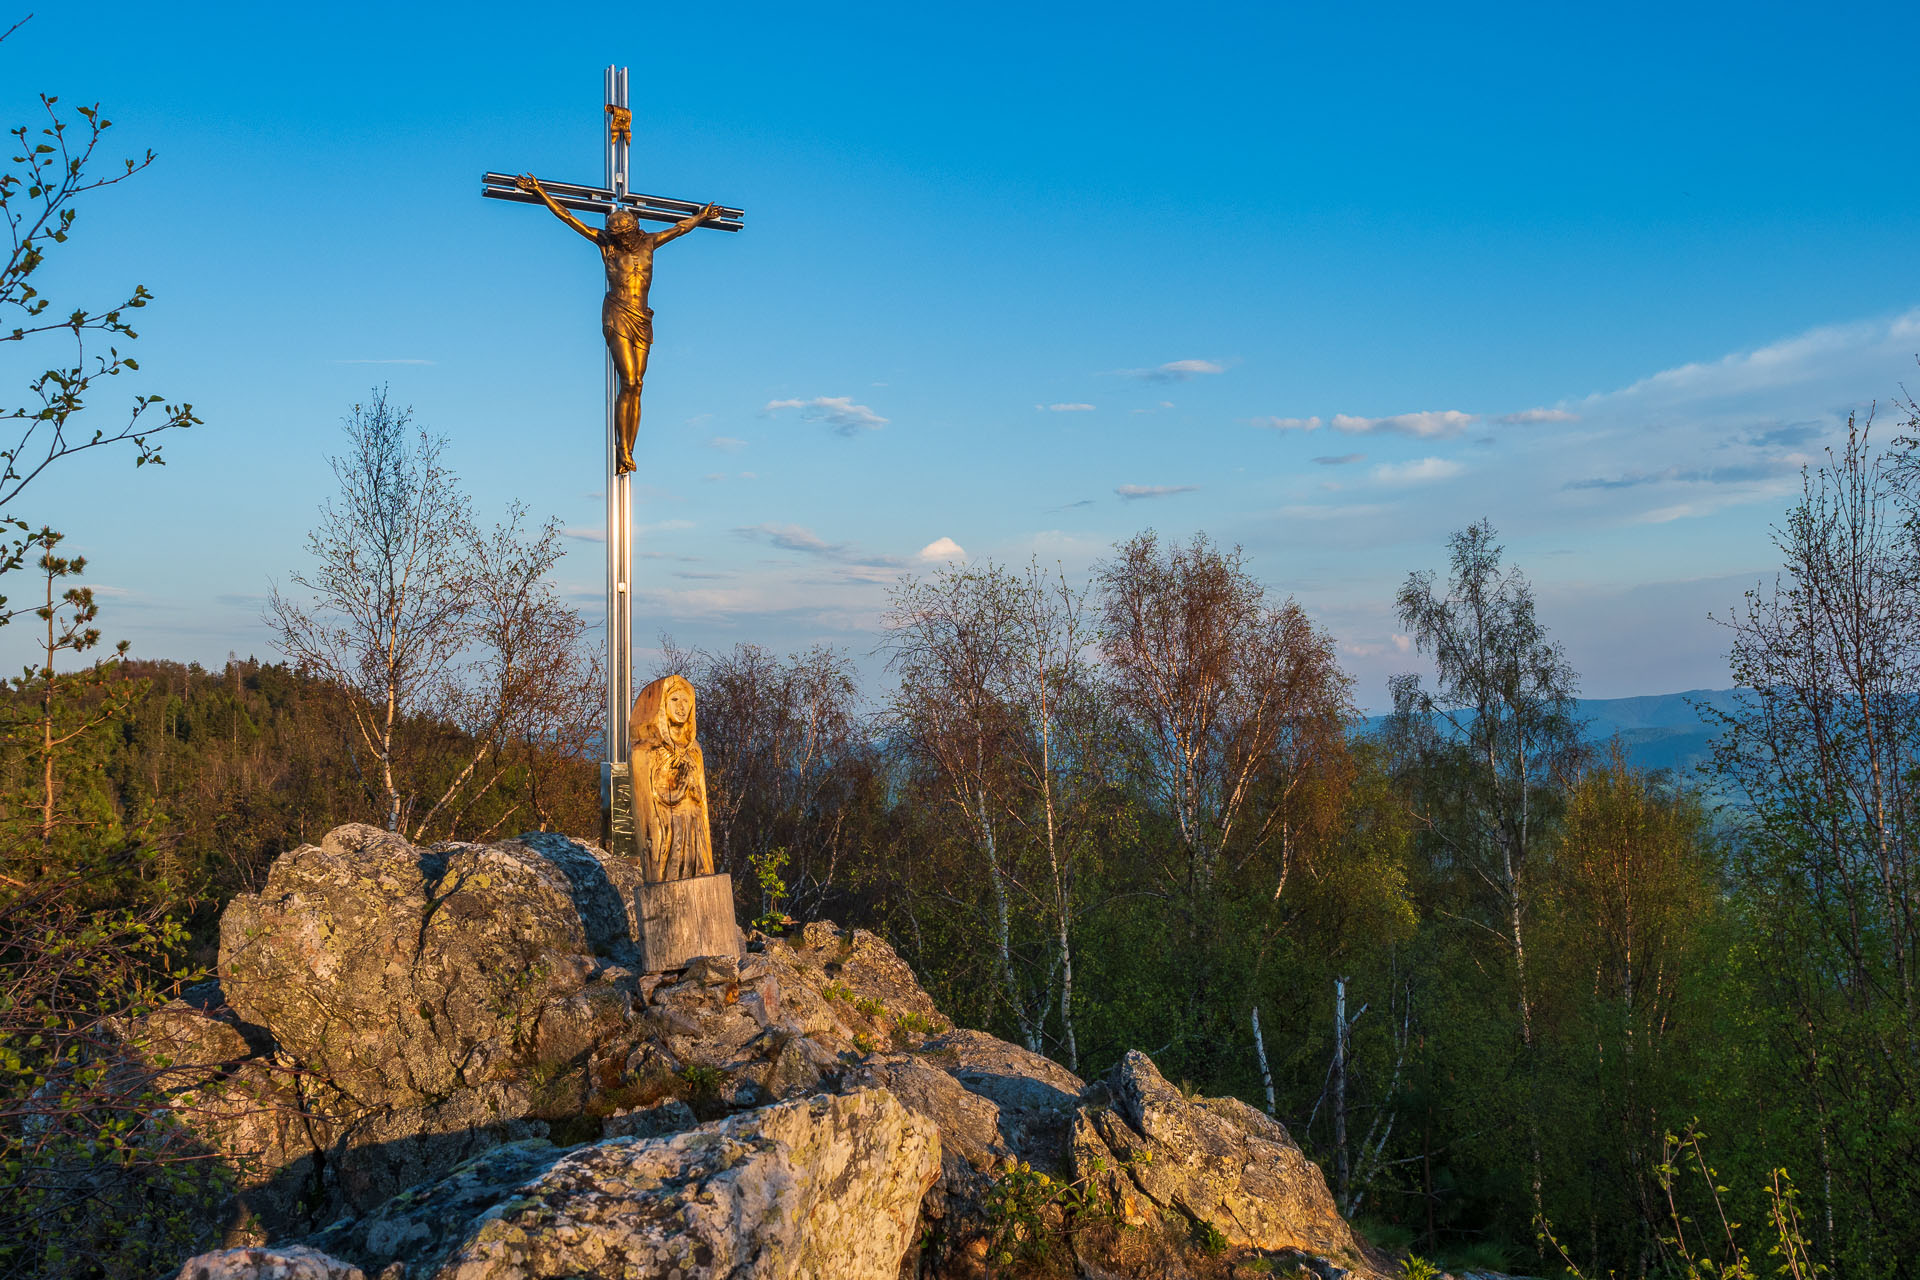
(626, 322)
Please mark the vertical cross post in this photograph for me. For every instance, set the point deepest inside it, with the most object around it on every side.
(562, 197)
(619, 501)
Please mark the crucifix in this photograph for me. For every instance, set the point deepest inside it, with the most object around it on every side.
(627, 323)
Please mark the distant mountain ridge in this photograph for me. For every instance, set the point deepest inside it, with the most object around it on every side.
(1657, 731)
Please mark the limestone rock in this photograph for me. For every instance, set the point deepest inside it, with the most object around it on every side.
(1012, 1077)
(289, 1262)
(1216, 1161)
(237, 1100)
(827, 1186)
(412, 999)
(399, 1013)
(378, 1153)
(183, 1037)
(971, 1146)
(655, 1121)
(417, 1227)
(796, 1065)
(401, 974)
(265, 1121)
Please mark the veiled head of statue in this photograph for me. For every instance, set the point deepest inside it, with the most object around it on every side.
(663, 714)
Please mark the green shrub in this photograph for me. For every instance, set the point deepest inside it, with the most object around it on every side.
(1029, 1212)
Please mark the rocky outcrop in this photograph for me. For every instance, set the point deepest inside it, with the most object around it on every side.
(828, 1186)
(1214, 1161)
(446, 1059)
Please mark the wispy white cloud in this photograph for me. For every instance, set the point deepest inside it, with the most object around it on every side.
(727, 444)
(1340, 459)
(1175, 371)
(1530, 417)
(1350, 511)
(1428, 425)
(1065, 408)
(942, 549)
(1739, 473)
(1135, 492)
(838, 412)
(799, 538)
(1394, 644)
(584, 533)
(1425, 425)
(1806, 356)
(1417, 471)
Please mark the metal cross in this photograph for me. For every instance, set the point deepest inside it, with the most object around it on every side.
(614, 195)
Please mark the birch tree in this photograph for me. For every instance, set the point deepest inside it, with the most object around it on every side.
(996, 704)
(1823, 745)
(455, 658)
(389, 585)
(1502, 705)
(1233, 700)
(528, 690)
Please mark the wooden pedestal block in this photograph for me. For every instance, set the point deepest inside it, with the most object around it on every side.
(681, 919)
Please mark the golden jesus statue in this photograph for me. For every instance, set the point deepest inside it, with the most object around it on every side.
(625, 317)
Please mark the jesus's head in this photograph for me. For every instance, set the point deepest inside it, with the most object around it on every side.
(622, 225)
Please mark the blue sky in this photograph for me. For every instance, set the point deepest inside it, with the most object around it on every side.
(1025, 280)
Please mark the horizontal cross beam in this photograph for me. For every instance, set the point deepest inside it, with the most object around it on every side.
(500, 186)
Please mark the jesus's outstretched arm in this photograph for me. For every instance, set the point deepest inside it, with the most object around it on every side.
(686, 224)
(527, 182)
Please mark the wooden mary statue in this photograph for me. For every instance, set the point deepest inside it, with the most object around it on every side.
(669, 784)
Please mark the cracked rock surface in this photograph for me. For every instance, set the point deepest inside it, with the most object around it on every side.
(444, 1060)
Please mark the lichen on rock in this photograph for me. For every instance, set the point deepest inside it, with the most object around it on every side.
(445, 1059)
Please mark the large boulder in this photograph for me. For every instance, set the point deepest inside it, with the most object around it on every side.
(400, 974)
(416, 1002)
(1214, 1161)
(827, 1186)
(417, 1228)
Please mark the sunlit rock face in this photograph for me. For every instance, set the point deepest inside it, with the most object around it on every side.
(445, 1059)
(825, 1186)
(1216, 1161)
